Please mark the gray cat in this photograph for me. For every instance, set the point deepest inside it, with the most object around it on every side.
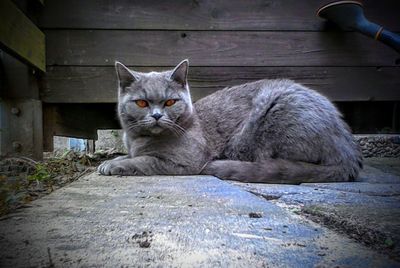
(269, 131)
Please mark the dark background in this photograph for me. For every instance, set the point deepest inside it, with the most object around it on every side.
(227, 43)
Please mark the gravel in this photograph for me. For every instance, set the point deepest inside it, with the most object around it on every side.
(380, 145)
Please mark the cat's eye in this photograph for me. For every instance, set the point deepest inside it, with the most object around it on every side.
(170, 102)
(141, 103)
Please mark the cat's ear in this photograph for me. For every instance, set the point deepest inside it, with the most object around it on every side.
(125, 76)
(180, 73)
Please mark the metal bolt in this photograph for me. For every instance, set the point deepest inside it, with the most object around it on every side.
(15, 111)
(17, 146)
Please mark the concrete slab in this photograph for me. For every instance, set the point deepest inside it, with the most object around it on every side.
(377, 175)
(306, 195)
(169, 222)
(377, 227)
(366, 211)
(386, 164)
(374, 189)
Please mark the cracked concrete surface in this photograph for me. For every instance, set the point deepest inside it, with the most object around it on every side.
(367, 210)
(201, 221)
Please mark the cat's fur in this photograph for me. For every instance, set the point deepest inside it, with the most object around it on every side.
(271, 131)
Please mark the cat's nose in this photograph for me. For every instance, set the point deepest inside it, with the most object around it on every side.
(156, 116)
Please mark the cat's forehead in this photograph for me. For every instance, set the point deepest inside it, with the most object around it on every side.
(153, 80)
(153, 86)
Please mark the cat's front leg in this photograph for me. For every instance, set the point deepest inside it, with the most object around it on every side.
(108, 165)
(141, 165)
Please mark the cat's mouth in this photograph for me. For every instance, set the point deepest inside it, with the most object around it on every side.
(156, 129)
(158, 126)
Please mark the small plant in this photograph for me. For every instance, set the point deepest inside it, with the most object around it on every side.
(115, 133)
(41, 174)
(389, 243)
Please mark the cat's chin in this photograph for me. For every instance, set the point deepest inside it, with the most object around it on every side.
(156, 130)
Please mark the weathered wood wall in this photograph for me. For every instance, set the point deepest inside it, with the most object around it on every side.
(227, 42)
(22, 58)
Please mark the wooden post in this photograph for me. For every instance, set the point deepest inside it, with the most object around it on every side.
(396, 117)
(21, 126)
(22, 52)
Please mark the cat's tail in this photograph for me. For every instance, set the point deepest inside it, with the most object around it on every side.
(281, 171)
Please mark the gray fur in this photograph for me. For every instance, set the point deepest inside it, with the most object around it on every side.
(272, 131)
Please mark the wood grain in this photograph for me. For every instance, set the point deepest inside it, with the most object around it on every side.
(208, 48)
(202, 14)
(20, 36)
(98, 84)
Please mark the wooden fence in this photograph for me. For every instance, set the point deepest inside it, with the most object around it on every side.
(227, 43)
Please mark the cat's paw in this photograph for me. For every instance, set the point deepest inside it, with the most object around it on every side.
(104, 168)
(112, 167)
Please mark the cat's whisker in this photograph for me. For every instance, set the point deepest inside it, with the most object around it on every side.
(175, 125)
(171, 128)
(139, 123)
(177, 132)
(176, 129)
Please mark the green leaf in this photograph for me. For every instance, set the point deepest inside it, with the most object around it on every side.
(41, 174)
(389, 242)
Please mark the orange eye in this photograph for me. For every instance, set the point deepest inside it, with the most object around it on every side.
(170, 102)
(142, 103)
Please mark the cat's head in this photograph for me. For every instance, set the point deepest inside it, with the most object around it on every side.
(156, 102)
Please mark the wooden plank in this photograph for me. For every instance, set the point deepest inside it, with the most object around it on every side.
(49, 125)
(98, 84)
(20, 36)
(19, 83)
(67, 119)
(202, 15)
(222, 48)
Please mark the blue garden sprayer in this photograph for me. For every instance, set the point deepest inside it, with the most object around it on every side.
(349, 15)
